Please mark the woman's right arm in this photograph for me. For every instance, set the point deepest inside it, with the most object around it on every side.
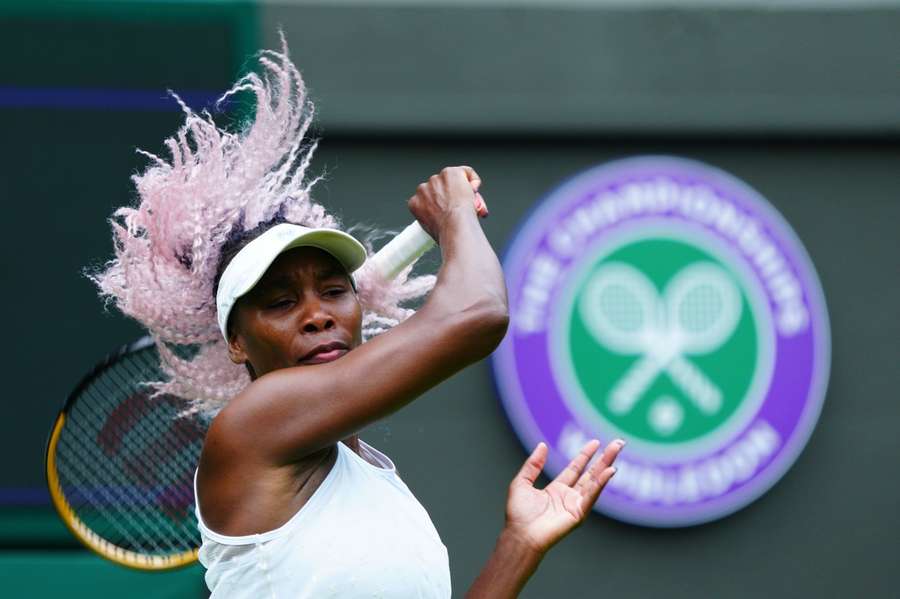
(290, 413)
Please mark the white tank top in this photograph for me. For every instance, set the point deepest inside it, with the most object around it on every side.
(361, 534)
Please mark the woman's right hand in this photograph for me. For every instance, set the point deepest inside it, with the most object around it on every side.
(446, 193)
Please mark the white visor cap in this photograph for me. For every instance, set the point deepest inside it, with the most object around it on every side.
(250, 264)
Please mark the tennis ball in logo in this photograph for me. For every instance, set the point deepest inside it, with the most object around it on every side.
(661, 340)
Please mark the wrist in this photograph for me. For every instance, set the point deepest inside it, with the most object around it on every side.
(455, 219)
(516, 541)
(512, 563)
(460, 216)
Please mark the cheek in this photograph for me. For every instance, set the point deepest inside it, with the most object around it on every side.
(267, 338)
(353, 320)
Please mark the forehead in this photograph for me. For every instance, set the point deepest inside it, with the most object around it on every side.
(301, 263)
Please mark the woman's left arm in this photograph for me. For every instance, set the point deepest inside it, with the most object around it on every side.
(537, 519)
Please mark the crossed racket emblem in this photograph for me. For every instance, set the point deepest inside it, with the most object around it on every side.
(695, 314)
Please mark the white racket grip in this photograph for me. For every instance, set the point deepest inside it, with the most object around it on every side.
(401, 251)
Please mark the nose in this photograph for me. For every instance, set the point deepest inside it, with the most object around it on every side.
(315, 318)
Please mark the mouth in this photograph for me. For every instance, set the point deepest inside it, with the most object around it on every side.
(326, 352)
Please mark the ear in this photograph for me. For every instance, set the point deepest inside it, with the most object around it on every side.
(236, 348)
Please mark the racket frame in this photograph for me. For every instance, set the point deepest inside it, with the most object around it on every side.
(67, 514)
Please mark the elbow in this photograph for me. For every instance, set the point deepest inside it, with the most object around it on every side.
(487, 323)
(469, 329)
(497, 324)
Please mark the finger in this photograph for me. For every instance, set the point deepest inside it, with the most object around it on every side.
(480, 206)
(472, 176)
(611, 452)
(532, 467)
(571, 472)
(606, 459)
(590, 491)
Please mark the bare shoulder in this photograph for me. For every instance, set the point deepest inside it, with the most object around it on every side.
(222, 446)
(232, 461)
(236, 425)
(248, 427)
(241, 490)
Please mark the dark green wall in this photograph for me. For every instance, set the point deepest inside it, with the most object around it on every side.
(604, 67)
(802, 105)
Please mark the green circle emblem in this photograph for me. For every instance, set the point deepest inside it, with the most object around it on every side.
(663, 341)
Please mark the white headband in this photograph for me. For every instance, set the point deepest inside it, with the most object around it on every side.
(248, 266)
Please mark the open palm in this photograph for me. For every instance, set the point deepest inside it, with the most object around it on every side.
(544, 516)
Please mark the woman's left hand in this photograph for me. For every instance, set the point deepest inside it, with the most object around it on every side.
(541, 517)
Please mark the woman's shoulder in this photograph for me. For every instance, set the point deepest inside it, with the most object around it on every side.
(246, 422)
(240, 495)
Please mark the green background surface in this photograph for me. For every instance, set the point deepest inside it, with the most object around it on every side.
(83, 576)
(798, 99)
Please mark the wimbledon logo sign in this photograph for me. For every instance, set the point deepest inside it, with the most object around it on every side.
(666, 302)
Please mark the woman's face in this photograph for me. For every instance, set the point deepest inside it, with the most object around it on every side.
(303, 311)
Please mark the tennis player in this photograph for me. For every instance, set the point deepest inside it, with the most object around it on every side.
(290, 501)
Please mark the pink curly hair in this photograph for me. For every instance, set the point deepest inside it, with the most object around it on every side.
(167, 249)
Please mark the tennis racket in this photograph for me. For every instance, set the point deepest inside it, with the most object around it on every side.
(120, 465)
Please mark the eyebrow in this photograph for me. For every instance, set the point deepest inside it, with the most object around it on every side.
(329, 272)
(283, 281)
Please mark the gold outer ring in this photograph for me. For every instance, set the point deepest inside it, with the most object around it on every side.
(92, 540)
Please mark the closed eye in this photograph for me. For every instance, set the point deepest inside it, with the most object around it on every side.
(282, 303)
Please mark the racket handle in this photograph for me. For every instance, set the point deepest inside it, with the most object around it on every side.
(401, 251)
(409, 245)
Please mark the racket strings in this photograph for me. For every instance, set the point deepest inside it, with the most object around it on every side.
(149, 499)
(139, 428)
(126, 461)
(158, 466)
(129, 497)
(120, 499)
(109, 508)
(180, 432)
(149, 434)
(104, 521)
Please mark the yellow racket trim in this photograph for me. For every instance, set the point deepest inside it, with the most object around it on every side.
(89, 538)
